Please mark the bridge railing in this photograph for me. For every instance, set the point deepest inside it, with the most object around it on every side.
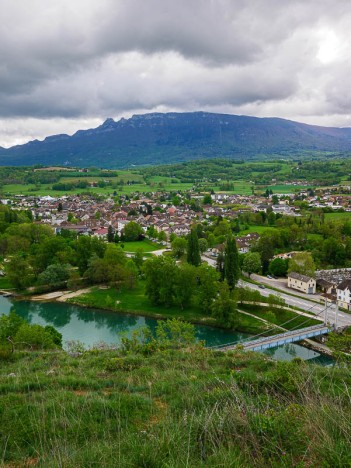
(300, 331)
(272, 337)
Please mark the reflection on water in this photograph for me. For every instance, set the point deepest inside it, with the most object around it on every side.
(91, 326)
(289, 351)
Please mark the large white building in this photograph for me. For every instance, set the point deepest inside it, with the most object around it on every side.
(343, 294)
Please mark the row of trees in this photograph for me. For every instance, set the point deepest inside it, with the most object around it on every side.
(169, 284)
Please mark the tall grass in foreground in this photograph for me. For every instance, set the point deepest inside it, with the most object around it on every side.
(174, 408)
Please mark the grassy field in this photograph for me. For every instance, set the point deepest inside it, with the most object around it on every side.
(338, 216)
(282, 188)
(154, 183)
(258, 229)
(135, 301)
(174, 408)
(145, 245)
(289, 320)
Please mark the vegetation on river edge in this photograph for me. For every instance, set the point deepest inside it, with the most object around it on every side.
(135, 302)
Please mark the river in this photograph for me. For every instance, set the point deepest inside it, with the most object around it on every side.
(91, 326)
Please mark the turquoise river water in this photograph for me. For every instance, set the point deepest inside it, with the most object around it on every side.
(91, 326)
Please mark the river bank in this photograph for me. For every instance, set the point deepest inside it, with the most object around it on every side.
(134, 302)
(92, 326)
(253, 319)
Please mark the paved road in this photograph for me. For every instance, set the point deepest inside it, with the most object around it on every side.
(282, 285)
(344, 319)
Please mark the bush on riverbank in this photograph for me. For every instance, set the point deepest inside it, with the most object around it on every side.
(189, 407)
(16, 333)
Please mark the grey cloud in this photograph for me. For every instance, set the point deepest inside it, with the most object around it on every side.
(89, 59)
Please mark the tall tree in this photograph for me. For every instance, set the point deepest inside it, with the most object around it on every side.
(193, 250)
(132, 231)
(252, 262)
(179, 246)
(278, 267)
(224, 307)
(265, 247)
(231, 262)
(185, 284)
(110, 234)
(207, 288)
(303, 263)
(160, 276)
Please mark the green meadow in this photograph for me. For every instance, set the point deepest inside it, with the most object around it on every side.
(160, 406)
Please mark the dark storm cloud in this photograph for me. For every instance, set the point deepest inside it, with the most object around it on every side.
(90, 59)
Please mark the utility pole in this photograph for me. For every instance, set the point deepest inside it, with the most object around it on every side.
(336, 315)
(325, 310)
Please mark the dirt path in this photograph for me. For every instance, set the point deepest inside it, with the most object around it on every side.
(68, 295)
(60, 296)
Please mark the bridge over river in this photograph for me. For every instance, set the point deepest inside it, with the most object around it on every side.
(277, 340)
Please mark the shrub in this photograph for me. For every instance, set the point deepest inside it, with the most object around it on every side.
(33, 336)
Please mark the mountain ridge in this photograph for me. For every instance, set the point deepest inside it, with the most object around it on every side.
(159, 138)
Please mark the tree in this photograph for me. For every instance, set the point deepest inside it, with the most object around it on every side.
(109, 269)
(132, 231)
(224, 307)
(334, 252)
(23, 334)
(271, 218)
(236, 227)
(275, 200)
(278, 267)
(207, 200)
(231, 263)
(175, 333)
(9, 325)
(203, 245)
(193, 250)
(54, 274)
(160, 276)
(34, 336)
(252, 262)
(138, 259)
(131, 274)
(265, 247)
(207, 286)
(179, 246)
(185, 284)
(302, 262)
(19, 272)
(162, 236)
(152, 232)
(222, 228)
(110, 234)
(85, 248)
(50, 250)
(211, 240)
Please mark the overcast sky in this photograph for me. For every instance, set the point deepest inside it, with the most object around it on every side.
(69, 64)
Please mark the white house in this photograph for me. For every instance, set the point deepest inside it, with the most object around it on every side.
(343, 294)
(303, 283)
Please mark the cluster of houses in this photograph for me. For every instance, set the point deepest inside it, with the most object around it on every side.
(337, 288)
(87, 215)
